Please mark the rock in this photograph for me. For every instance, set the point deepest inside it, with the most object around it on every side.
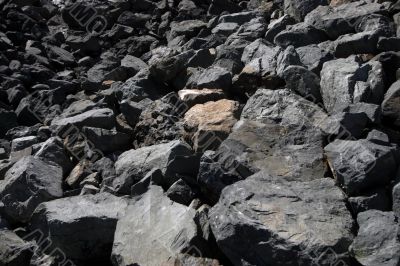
(303, 81)
(130, 19)
(346, 81)
(62, 221)
(8, 120)
(14, 251)
(345, 125)
(52, 150)
(29, 182)
(187, 28)
(180, 192)
(377, 240)
(360, 165)
(299, 10)
(207, 125)
(313, 57)
(213, 78)
(225, 28)
(372, 111)
(78, 173)
(174, 159)
(278, 25)
(133, 64)
(386, 44)
(357, 43)
(343, 19)
(19, 144)
(300, 34)
(107, 140)
(375, 199)
(154, 177)
(192, 97)
(271, 211)
(101, 118)
(285, 59)
(60, 54)
(390, 106)
(155, 229)
(268, 138)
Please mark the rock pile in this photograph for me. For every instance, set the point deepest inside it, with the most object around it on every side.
(199, 132)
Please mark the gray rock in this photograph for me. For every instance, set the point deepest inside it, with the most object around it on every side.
(313, 57)
(173, 159)
(287, 58)
(19, 144)
(299, 9)
(376, 199)
(101, 118)
(132, 64)
(278, 25)
(261, 221)
(345, 125)
(358, 43)
(107, 140)
(8, 120)
(225, 28)
(14, 251)
(343, 19)
(377, 240)
(213, 78)
(347, 81)
(372, 111)
(63, 222)
(192, 97)
(386, 44)
(300, 34)
(154, 177)
(29, 182)
(52, 150)
(303, 81)
(155, 229)
(180, 192)
(360, 165)
(390, 105)
(187, 28)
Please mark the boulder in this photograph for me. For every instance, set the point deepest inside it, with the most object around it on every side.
(29, 182)
(313, 57)
(303, 81)
(155, 229)
(357, 43)
(347, 81)
(8, 120)
(14, 251)
(278, 25)
(132, 64)
(376, 199)
(174, 159)
(391, 106)
(63, 222)
(359, 165)
(265, 220)
(300, 34)
(299, 9)
(107, 140)
(208, 124)
(377, 241)
(180, 192)
(192, 97)
(101, 118)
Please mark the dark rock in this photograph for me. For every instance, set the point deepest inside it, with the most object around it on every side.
(299, 35)
(255, 220)
(376, 199)
(303, 81)
(62, 221)
(174, 159)
(278, 25)
(358, 43)
(389, 44)
(390, 105)
(180, 192)
(372, 111)
(29, 182)
(192, 97)
(107, 140)
(162, 229)
(132, 64)
(299, 10)
(101, 118)
(8, 120)
(377, 240)
(14, 251)
(360, 165)
(345, 125)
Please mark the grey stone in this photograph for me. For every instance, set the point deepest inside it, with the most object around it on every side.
(300, 34)
(373, 111)
(345, 125)
(101, 118)
(180, 192)
(313, 57)
(299, 9)
(386, 44)
(278, 25)
(285, 59)
(8, 120)
(19, 144)
(173, 159)
(155, 229)
(107, 140)
(376, 199)
(391, 106)
(133, 64)
(29, 182)
(377, 240)
(261, 221)
(63, 222)
(360, 165)
(303, 81)
(225, 28)
(358, 43)
(14, 251)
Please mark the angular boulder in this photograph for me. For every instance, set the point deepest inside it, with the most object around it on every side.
(391, 105)
(14, 251)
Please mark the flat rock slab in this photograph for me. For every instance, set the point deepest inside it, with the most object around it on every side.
(267, 221)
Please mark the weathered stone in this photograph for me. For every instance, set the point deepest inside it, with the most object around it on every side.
(391, 106)
(14, 251)
(376, 199)
(29, 182)
(101, 118)
(377, 240)
(299, 35)
(299, 9)
(303, 81)
(63, 222)
(261, 221)
(192, 97)
(107, 140)
(180, 192)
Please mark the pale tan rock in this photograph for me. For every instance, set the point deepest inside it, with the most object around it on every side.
(194, 96)
(208, 124)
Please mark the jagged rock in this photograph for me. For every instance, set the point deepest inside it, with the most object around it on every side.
(373, 200)
(377, 240)
(213, 78)
(155, 229)
(347, 81)
(52, 150)
(187, 28)
(372, 111)
(192, 97)
(343, 19)
(345, 125)
(29, 182)
(260, 221)
(389, 44)
(101, 118)
(359, 165)
(299, 10)
(107, 140)
(278, 25)
(208, 124)
(390, 105)
(174, 159)
(300, 34)
(313, 57)
(133, 64)
(8, 120)
(19, 144)
(180, 192)
(62, 221)
(14, 251)
(357, 43)
(303, 81)
(285, 59)
(268, 138)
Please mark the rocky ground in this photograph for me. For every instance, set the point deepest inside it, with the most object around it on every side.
(199, 132)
